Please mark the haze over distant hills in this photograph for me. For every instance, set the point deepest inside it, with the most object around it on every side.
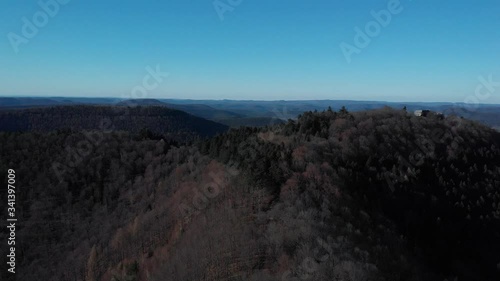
(235, 113)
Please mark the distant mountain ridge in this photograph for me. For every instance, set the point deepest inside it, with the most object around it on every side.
(200, 110)
(236, 113)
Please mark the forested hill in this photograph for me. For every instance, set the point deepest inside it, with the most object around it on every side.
(159, 120)
(418, 197)
(374, 195)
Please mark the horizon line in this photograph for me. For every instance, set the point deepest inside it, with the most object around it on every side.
(242, 100)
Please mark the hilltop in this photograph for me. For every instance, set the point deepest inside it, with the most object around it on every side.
(331, 195)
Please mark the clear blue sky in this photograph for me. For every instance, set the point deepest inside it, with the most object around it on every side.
(262, 49)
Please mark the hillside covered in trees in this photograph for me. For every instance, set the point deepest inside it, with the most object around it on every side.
(171, 123)
(333, 195)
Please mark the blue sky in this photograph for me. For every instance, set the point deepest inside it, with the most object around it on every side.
(258, 49)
